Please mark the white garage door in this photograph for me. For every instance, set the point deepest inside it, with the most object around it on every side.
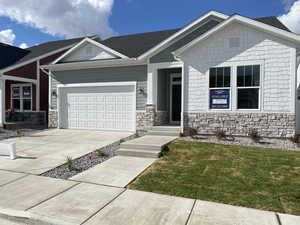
(103, 108)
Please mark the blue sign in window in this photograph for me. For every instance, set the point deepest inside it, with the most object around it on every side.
(219, 99)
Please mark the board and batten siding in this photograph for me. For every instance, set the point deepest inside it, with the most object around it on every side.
(276, 55)
(98, 75)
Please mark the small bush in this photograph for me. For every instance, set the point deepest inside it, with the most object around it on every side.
(164, 151)
(295, 139)
(220, 134)
(70, 164)
(122, 140)
(101, 153)
(254, 135)
(18, 133)
(189, 132)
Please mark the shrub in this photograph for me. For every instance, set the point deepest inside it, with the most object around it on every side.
(220, 134)
(122, 140)
(190, 132)
(18, 133)
(254, 135)
(295, 139)
(70, 164)
(101, 153)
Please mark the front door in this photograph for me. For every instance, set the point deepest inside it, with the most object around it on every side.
(175, 98)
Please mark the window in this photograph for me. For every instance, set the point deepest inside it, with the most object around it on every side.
(21, 97)
(248, 87)
(219, 84)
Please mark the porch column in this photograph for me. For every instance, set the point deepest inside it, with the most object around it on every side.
(2, 102)
(38, 86)
(151, 85)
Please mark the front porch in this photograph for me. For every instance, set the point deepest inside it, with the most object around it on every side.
(20, 103)
(164, 99)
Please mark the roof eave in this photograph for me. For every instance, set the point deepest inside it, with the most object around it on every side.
(94, 64)
(237, 18)
(181, 31)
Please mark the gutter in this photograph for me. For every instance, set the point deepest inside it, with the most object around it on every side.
(94, 64)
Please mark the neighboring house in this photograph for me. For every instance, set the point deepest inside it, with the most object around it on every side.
(220, 71)
(25, 85)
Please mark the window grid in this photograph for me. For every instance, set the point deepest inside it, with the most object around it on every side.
(253, 102)
(21, 96)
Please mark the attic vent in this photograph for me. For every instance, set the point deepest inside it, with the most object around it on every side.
(88, 50)
(234, 42)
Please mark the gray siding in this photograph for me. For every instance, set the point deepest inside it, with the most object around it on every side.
(115, 74)
(167, 56)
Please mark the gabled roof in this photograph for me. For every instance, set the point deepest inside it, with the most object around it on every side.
(136, 44)
(273, 21)
(143, 45)
(90, 41)
(276, 31)
(10, 54)
(39, 51)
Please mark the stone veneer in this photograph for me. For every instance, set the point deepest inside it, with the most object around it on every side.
(52, 119)
(279, 125)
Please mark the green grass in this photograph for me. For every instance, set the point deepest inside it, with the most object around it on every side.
(266, 179)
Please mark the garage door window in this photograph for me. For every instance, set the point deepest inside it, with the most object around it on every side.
(21, 97)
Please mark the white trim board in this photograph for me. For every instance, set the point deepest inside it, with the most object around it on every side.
(104, 84)
(20, 79)
(88, 40)
(94, 64)
(240, 19)
(186, 28)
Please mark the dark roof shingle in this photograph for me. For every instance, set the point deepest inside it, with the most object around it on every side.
(10, 55)
(273, 21)
(135, 45)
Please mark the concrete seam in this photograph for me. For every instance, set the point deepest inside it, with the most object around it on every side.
(105, 185)
(52, 197)
(278, 219)
(190, 215)
(134, 179)
(12, 181)
(18, 172)
(95, 213)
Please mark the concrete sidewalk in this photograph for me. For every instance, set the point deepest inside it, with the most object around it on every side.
(42, 200)
(118, 171)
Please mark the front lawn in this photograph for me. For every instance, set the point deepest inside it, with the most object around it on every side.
(266, 179)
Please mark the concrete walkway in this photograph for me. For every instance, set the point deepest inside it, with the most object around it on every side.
(45, 200)
(118, 171)
(48, 149)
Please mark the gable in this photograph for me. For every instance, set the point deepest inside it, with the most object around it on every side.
(236, 42)
(166, 54)
(88, 52)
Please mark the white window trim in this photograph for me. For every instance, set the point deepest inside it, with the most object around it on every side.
(221, 88)
(21, 96)
(234, 88)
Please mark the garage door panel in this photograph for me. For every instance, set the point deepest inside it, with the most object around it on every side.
(105, 111)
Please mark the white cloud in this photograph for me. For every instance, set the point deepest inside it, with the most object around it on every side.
(68, 18)
(292, 18)
(23, 45)
(288, 4)
(7, 36)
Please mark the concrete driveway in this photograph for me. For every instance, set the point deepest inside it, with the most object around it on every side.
(48, 149)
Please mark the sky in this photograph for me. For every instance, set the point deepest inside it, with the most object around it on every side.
(26, 23)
